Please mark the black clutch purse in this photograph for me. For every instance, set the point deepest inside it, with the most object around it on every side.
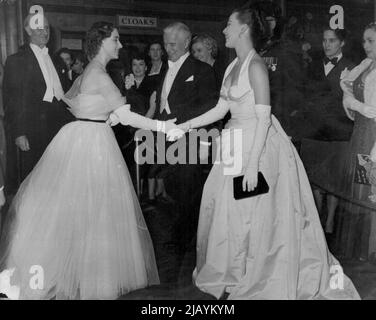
(262, 188)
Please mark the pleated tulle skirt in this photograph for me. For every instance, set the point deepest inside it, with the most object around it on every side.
(75, 228)
(270, 246)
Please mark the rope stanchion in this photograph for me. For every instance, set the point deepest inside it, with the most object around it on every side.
(137, 140)
(361, 203)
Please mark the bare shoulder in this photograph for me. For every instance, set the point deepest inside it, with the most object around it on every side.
(257, 69)
(94, 78)
(258, 65)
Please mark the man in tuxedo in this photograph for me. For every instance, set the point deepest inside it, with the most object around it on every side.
(329, 127)
(188, 89)
(323, 91)
(34, 112)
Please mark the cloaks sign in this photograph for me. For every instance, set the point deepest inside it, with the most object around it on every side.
(140, 22)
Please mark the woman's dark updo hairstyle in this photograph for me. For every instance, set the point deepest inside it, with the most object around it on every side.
(255, 19)
(271, 9)
(94, 37)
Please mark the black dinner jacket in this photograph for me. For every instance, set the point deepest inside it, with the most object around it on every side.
(189, 99)
(324, 96)
(332, 80)
(24, 87)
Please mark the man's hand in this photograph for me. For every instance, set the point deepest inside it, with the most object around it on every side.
(23, 143)
(129, 81)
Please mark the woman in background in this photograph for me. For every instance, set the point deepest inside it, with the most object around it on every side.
(79, 64)
(139, 88)
(205, 49)
(158, 66)
(359, 86)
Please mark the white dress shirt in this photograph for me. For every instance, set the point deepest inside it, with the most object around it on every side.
(330, 66)
(173, 69)
(53, 85)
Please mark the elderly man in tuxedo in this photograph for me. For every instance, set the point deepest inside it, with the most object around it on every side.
(34, 112)
(187, 90)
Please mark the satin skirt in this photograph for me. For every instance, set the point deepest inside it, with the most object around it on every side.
(77, 222)
(270, 246)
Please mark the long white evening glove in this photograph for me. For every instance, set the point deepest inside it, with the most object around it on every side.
(126, 117)
(263, 113)
(251, 168)
(213, 115)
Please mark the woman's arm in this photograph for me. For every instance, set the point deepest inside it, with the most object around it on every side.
(213, 115)
(122, 113)
(126, 117)
(258, 77)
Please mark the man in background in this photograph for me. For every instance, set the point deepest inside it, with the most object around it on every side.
(34, 112)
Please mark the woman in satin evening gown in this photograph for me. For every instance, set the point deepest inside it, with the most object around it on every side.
(271, 246)
(77, 215)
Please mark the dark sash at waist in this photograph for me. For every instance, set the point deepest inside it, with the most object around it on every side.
(91, 120)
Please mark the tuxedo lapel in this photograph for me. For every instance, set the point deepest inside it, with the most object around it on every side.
(34, 69)
(185, 71)
(318, 70)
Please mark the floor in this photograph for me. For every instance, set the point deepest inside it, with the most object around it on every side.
(170, 261)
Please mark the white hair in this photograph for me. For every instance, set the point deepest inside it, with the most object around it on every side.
(179, 27)
(28, 18)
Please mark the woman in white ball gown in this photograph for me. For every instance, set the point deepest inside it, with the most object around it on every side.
(77, 215)
(271, 246)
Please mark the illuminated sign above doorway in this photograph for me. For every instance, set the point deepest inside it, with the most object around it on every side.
(141, 22)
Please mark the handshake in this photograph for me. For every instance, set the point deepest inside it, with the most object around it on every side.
(173, 132)
(124, 116)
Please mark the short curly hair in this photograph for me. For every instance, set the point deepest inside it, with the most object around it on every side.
(209, 42)
(94, 37)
